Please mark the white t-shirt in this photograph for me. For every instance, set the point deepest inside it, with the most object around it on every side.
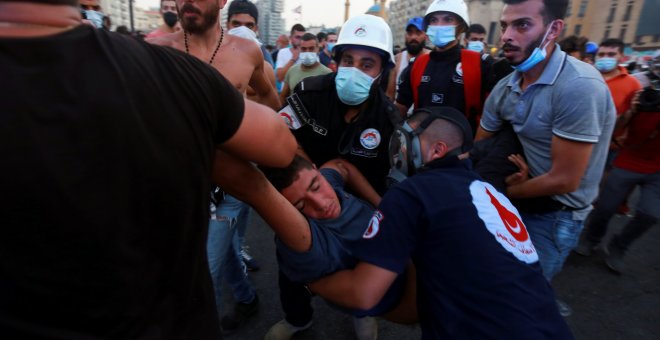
(283, 57)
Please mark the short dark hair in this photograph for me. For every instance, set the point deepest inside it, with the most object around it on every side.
(243, 7)
(309, 36)
(476, 28)
(321, 36)
(297, 28)
(613, 42)
(282, 178)
(574, 43)
(552, 9)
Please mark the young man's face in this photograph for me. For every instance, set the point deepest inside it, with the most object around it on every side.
(243, 19)
(296, 38)
(609, 52)
(366, 61)
(415, 39)
(168, 6)
(309, 46)
(476, 37)
(523, 30)
(311, 193)
(200, 15)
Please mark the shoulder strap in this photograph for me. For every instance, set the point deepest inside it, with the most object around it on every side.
(471, 64)
(418, 67)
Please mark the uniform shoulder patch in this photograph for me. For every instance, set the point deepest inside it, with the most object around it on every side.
(502, 220)
(374, 225)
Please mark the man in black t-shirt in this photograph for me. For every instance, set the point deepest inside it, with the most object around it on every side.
(108, 146)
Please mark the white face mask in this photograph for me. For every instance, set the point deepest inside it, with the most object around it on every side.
(308, 58)
(244, 33)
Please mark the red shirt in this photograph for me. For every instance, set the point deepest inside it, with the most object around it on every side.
(641, 150)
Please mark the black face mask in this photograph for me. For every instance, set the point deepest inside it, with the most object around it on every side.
(170, 18)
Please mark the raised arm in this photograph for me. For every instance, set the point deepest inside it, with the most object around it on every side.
(242, 180)
(354, 180)
(262, 137)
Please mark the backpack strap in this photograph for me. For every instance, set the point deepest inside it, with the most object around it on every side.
(471, 64)
(418, 68)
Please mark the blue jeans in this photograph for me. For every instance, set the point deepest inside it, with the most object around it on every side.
(223, 252)
(554, 235)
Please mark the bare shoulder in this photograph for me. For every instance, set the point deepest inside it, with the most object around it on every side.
(244, 48)
(174, 40)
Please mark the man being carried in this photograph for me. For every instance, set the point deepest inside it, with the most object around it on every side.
(478, 274)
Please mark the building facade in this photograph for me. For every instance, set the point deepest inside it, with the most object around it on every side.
(632, 21)
(271, 22)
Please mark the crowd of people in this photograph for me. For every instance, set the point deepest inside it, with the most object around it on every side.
(441, 185)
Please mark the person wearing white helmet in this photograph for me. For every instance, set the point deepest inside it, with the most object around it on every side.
(450, 75)
(344, 114)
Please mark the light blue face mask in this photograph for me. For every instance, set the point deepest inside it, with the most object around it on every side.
(606, 64)
(95, 17)
(537, 56)
(352, 85)
(476, 46)
(440, 36)
(330, 46)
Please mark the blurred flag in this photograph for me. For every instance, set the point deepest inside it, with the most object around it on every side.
(298, 9)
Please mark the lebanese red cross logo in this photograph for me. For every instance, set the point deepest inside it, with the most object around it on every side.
(511, 221)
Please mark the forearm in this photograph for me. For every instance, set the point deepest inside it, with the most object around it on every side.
(270, 99)
(245, 182)
(360, 186)
(281, 72)
(544, 185)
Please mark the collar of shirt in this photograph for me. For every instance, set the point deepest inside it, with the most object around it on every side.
(450, 54)
(550, 72)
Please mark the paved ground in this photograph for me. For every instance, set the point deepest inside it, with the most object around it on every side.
(605, 305)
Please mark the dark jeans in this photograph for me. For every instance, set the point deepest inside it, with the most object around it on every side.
(617, 186)
(296, 301)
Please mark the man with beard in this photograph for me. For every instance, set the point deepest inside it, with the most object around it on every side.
(201, 36)
(415, 46)
(563, 114)
(242, 63)
(170, 20)
(449, 75)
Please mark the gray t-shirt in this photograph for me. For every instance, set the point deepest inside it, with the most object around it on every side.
(570, 100)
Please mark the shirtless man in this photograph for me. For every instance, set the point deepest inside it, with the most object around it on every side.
(240, 62)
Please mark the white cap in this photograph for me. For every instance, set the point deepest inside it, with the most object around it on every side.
(367, 30)
(457, 7)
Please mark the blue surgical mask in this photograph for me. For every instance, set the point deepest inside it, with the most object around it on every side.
(537, 56)
(440, 36)
(330, 46)
(476, 46)
(352, 85)
(95, 17)
(308, 58)
(606, 64)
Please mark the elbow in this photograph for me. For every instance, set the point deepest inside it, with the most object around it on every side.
(365, 301)
(566, 185)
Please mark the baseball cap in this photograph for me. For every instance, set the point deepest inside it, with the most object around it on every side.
(418, 22)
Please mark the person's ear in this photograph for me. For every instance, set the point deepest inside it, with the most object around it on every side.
(437, 150)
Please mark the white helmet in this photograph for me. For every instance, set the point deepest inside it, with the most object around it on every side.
(457, 7)
(366, 30)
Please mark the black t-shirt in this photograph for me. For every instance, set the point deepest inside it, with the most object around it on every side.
(363, 142)
(442, 81)
(107, 146)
